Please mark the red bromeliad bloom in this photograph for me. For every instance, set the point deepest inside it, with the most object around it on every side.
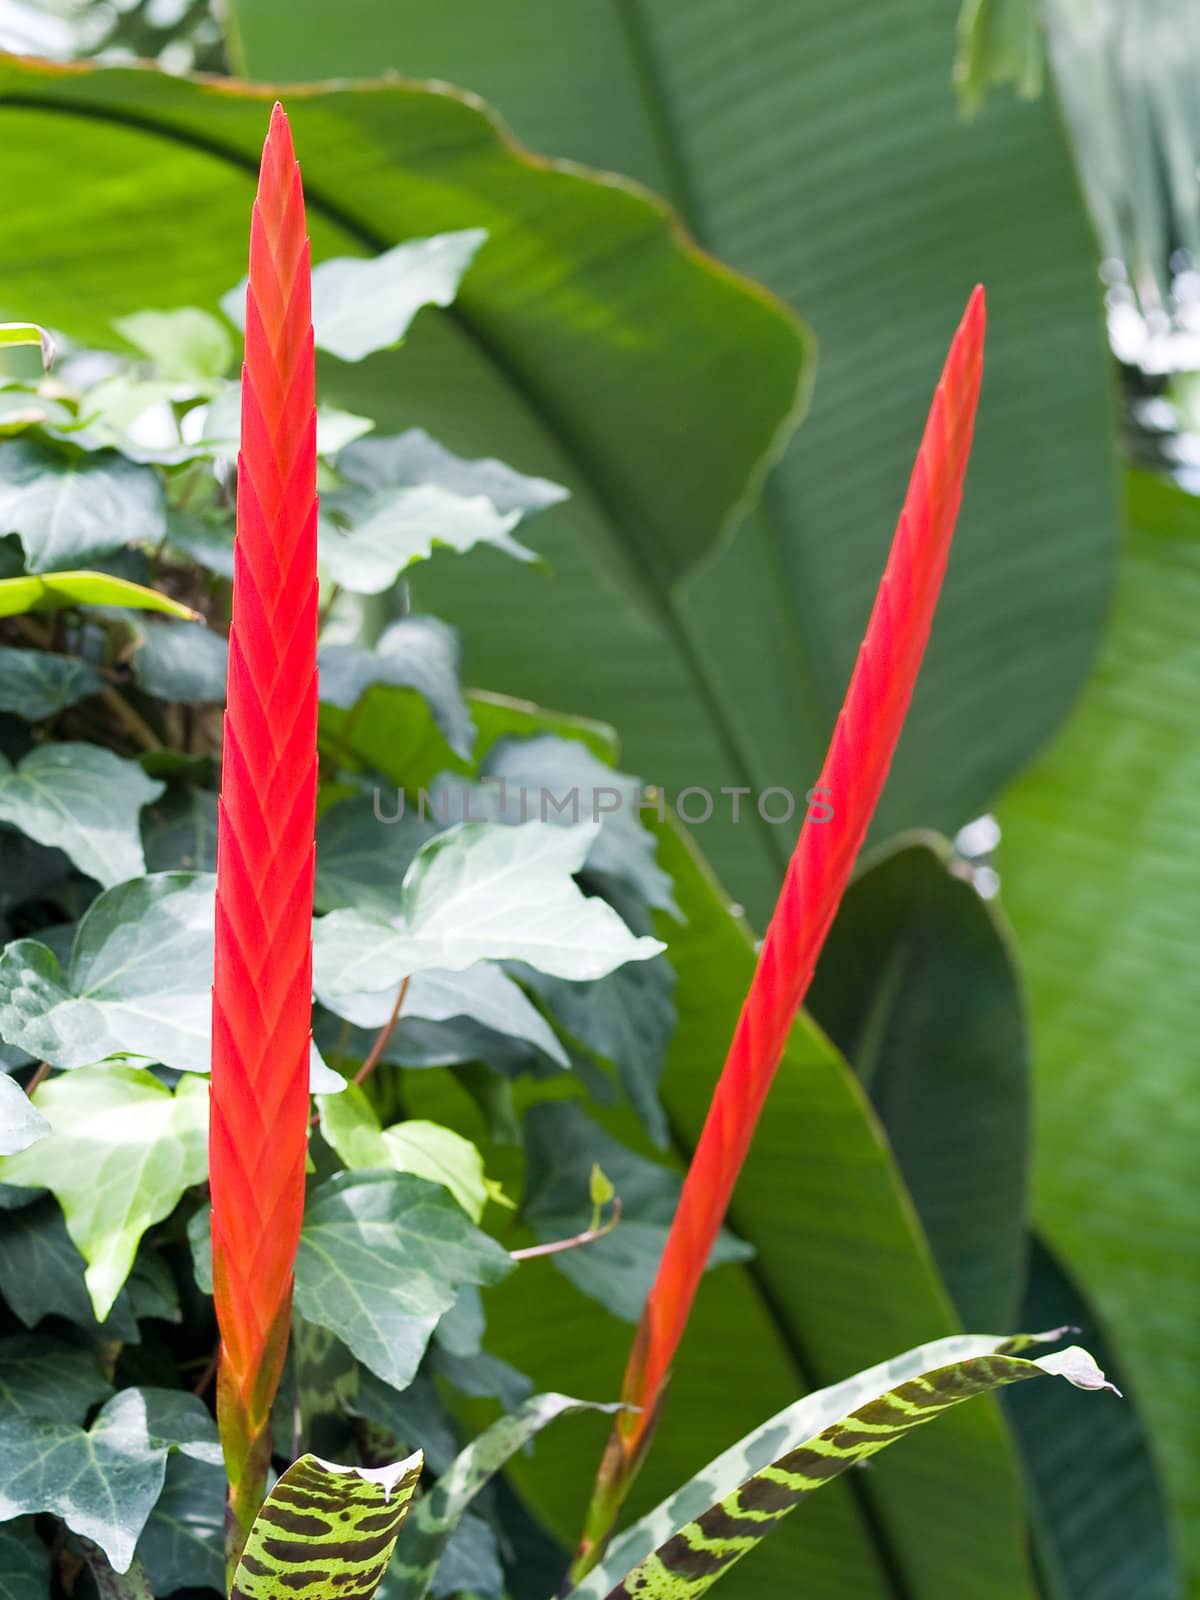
(852, 780)
(262, 982)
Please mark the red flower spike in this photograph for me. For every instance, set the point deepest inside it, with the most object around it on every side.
(852, 779)
(262, 978)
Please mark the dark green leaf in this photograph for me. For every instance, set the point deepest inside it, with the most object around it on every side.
(183, 1542)
(131, 1584)
(82, 800)
(174, 661)
(562, 1146)
(917, 988)
(102, 1482)
(1100, 1524)
(362, 854)
(41, 1272)
(179, 832)
(138, 981)
(24, 1562)
(35, 684)
(45, 1378)
(70, 510)
(382, 1257)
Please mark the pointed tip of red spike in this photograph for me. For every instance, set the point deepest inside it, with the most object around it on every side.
(975, 316)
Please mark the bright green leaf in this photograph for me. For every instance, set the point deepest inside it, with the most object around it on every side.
(19, 333)
(480, 892)
(360, 1511)
(999, 41)
(138, 981)
(382, 1257)
(35, 684)
(122, 1151)
(58, 589)
(82, 800)
(350, 1125)
(65, 509)
(186, 345)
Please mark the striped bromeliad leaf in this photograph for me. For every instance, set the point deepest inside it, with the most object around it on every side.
(851, 782)
(747, 1491)
(439, 1512)
(262, 974)
(326, 1530)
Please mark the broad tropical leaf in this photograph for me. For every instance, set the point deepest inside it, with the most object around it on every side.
(591, 343)
(756, 123)
(702, 1550)
(324, 1530)
(1099, 863)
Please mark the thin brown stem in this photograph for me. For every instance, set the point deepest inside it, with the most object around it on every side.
(557, 1246)
(40, 1075)
(139, 730)
(381, 1042)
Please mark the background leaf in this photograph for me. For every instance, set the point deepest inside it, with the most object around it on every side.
(82, 800)
(21, 1124)
(66, 511)
(35, 684)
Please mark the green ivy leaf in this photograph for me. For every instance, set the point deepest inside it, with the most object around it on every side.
(179, 832)
(361, 860)
(45, 1378)
(382, 1257)
(351, 1127)
(24, 1562)
(368, 540)
(66, 510)
(59, 589)
(406, 460)
(358, 1512)
(138, 981)
(41, 1272)
(562, 1146)
(82, 800)
(186, 346)
(21, 1124)
(484, 997)
(35, 684)
(183, 1544)
(418, 653)
(180, 663)
(122, 1151)
(103, 1482)
(479, 892)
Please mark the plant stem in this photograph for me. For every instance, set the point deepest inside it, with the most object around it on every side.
(381, 1042)
(140, 731)
(557, 1246)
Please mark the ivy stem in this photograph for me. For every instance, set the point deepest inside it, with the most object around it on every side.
(41, 1073)
(381, 1042)
(557, 1246)
(139, 730)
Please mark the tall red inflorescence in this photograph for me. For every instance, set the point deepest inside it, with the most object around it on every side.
(851, 781)
(262, 980)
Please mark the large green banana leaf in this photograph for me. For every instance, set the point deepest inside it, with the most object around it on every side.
(918, 989)
(842, 1278)
(1100, 874)
(807, 1447)
(918, 986)
(817, 146)
(590, 343)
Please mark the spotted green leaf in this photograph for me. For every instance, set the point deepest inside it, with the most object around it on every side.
(326, 1530)
(439, 1512)
(58, 589)
(825, 1434)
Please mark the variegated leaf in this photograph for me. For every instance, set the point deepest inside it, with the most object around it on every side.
(438, 1513)
(679, 1550)
(326, 1530)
